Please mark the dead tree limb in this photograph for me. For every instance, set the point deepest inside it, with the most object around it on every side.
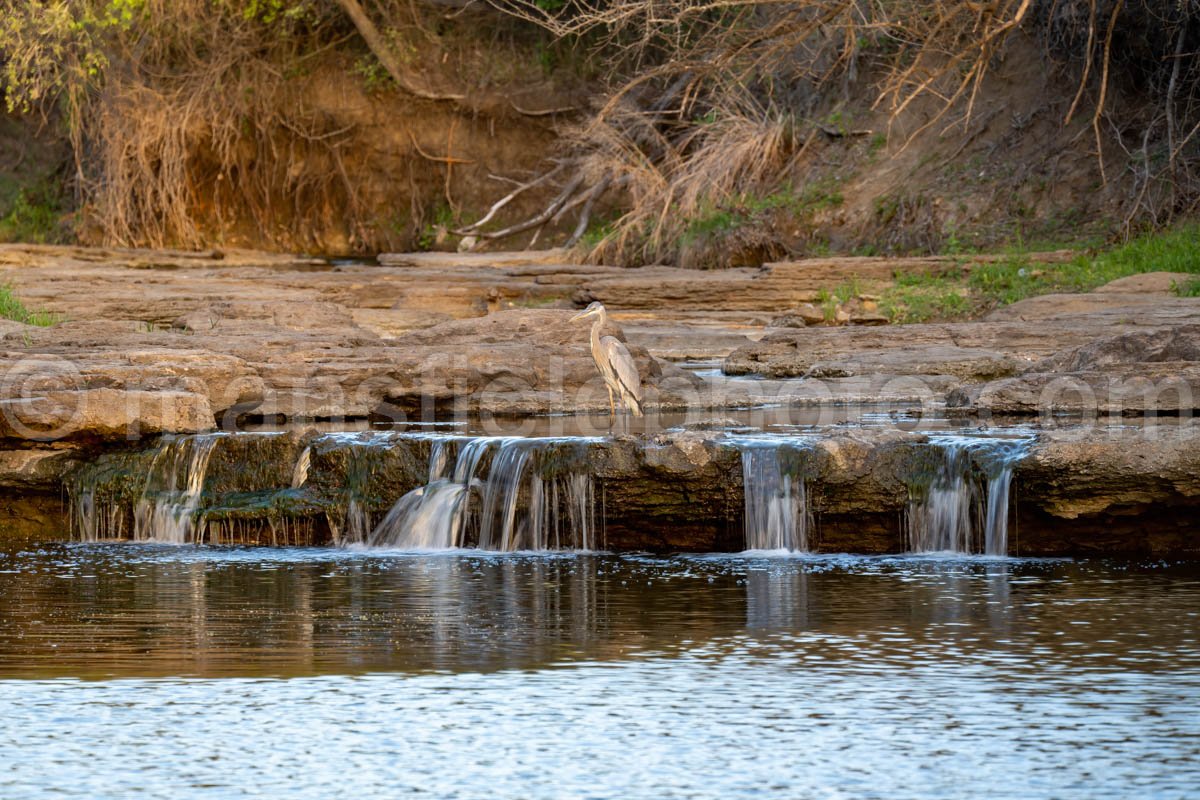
(439, 159)
(585, 215)
(1087, 64)
(474, 227)
(1170, 101)
(379, 48)
(544, 112)
(1108, 39)
(542, 218)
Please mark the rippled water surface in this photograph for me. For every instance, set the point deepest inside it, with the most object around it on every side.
(196, 672)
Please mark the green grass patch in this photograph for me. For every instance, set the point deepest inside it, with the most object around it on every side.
(749, 209)
(1017, 278)
(596, 233)
(958, 294)
(1189, 289)
(12, 308)
(35, 215)
(435, 233)
(921, 297)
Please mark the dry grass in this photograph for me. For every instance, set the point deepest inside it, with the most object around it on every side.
(741, 152)
(182, 110)
(710, 100)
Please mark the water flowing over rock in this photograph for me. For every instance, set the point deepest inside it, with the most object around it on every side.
(777, 508)
(167, 511)
(962, 507)
(167, 508)
(857, 489)
(520, 505)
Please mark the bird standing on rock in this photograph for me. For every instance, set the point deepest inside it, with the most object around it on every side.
(615, 364)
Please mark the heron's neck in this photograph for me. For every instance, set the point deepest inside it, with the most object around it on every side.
(596, 326)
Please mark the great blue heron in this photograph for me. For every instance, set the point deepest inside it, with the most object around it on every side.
(614, 362)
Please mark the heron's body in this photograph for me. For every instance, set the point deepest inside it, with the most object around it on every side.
(615, 363)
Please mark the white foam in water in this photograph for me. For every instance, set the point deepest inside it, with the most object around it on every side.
(776, 503)
(514, 508)
(953, 515)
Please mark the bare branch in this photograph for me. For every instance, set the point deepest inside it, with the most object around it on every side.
(379, 48)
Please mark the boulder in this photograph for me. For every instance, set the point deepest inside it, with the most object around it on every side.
(1177, 343)
(868, 318)
(801, 316)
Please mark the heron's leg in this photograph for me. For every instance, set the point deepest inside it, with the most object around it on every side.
(612, 410)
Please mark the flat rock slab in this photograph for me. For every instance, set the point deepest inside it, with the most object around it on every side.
(1145, 371)
(965, 350)
(293, 337)
(1163, 388)
(1164, 283)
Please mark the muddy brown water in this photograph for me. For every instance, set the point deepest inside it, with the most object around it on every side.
(157, 671)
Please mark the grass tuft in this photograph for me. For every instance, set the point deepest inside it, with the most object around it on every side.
(1189, 289)
(921, 297)
(12, 308)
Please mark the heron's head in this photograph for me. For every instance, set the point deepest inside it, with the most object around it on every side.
(590, 311)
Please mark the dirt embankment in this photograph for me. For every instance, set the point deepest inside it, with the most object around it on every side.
(382, 171)
(291, 136)
(351, 139)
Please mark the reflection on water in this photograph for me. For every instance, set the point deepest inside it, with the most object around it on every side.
(558, 676)
(101, 611)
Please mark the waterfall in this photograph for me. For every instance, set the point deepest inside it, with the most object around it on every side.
(952, 513)
(995, 537)
(776, 501)
(516, 507)
(93, 519)
(167, 510)
(431, 517)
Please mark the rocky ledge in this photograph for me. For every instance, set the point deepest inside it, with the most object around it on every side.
(1130, 347)
(1078, 490)
(158, 344)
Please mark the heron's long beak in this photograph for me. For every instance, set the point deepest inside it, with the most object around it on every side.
(579, 316)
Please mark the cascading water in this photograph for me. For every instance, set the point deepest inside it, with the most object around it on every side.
(515, 508)
(776, 500)
(495, 493)
(952, 514)
(431, 517)
(168, 506)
